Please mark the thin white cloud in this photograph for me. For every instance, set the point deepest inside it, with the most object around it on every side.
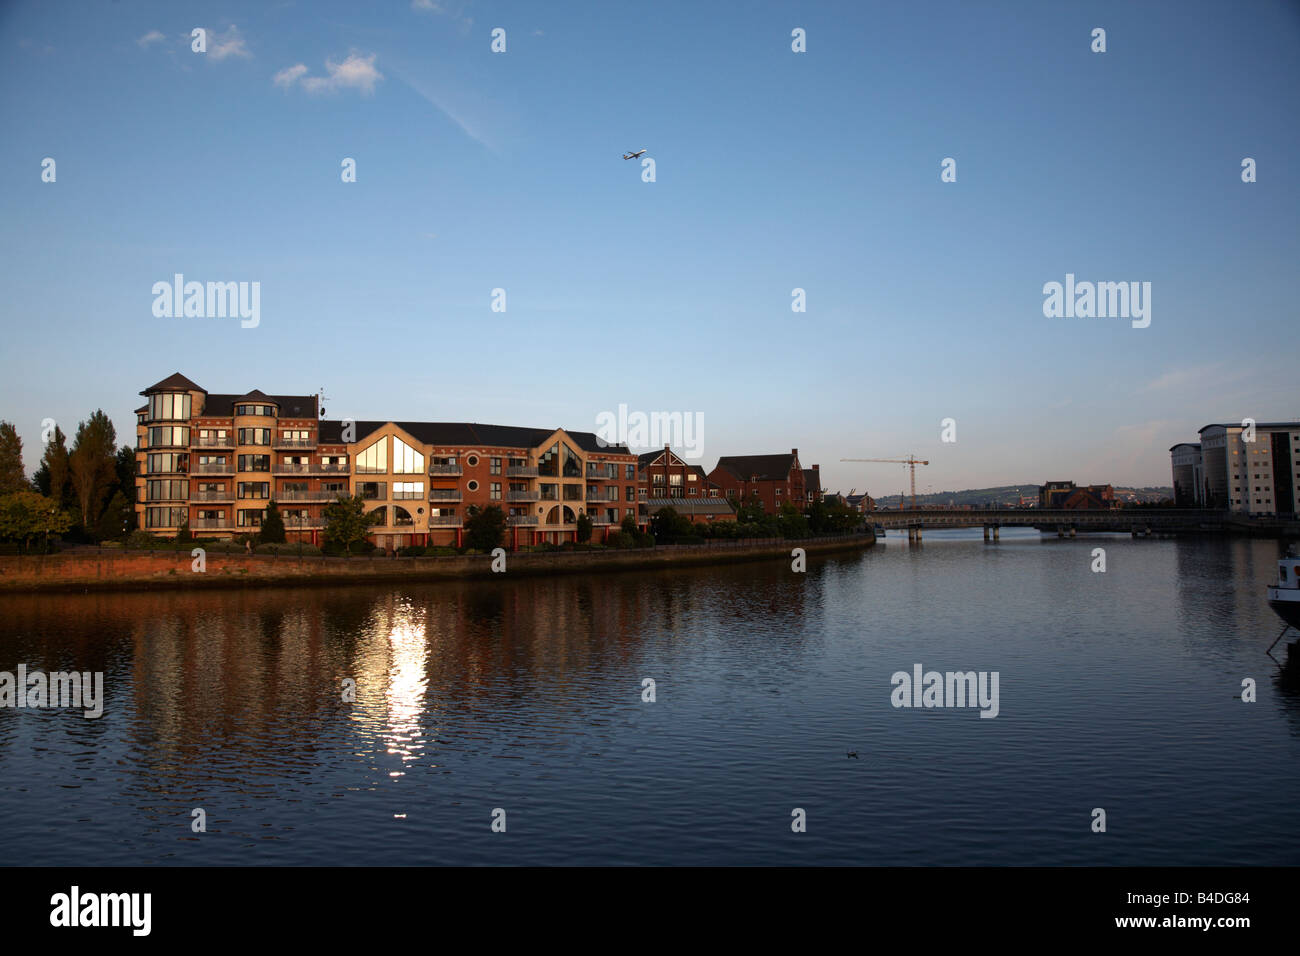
(445, 8)
(468, 124)
(228, 44)
(153, 36)
(354, 73)
(289, 75)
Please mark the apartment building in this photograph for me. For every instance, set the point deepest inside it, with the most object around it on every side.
(771, 479)
(215, 460)
(1249, 470)
(1066, 495)
(668, 481)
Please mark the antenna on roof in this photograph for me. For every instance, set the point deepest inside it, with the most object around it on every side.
(321, 402)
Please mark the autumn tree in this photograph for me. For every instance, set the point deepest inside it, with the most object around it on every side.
(12, 475)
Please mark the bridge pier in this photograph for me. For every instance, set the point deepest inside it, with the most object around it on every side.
(996, 530)
(1060, 532)
(1072, 531)
(986, 532)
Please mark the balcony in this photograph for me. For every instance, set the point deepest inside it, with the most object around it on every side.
(444, 521)
(408, 495)
(452, 470)
(294, 443)
(444, 494)
(601, 520)
(314, 468)
(214, 468)
(213, 496)
(211, 524)
(594, 496)
(521, 471)
(521, 520)
(315, 495)
(210, 441)
(523, 496)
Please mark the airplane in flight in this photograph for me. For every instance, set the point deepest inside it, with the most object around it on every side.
(633, 155)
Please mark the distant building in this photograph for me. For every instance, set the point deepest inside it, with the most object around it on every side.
(812, 484)
(1066, 495)
(1260, 476)
(1189, 475)
(862, 503)
(772, 480)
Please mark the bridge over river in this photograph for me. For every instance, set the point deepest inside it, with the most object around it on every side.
(1066, 523)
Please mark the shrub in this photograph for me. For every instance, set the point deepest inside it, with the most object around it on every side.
(412, 551)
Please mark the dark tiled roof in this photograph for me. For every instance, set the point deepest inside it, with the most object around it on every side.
(766, 467)
(291, 406)
(171, 383)
(469, 435)
(810, 479)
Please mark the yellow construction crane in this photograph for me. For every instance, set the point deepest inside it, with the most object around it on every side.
(911, 463)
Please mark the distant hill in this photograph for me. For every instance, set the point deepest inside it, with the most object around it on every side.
(1012, 494)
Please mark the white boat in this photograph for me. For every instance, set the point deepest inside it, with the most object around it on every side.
(1284, 597)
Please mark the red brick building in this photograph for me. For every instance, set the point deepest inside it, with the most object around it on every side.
(771, 479)
(216, 460)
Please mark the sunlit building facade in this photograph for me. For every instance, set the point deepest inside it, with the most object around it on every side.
(216, 460)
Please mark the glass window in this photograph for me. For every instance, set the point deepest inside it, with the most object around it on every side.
(374, 459)
(254, 462)
(372, 490)
(494, 466)
(161, 436)
(169, 407)
(254, 436)
(408, 490)
(406, 460)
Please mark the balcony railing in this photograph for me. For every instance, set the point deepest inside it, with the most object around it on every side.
(444, 521)
(212, 441)
(213, 496)
(443, 469)
(601, 519)
(523, 496)
(314, 468)
(211, 524)
(521, 471)
(444, 494)
(314, 495)
(408, 495)
(594, 496)
(521, 519)
(295, 443)
(214, 468)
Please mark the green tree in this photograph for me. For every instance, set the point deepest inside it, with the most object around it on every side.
(52, 477)
(272, 531)
(116, 520)
(124, 466)
(584, 528)
(183, 534)
(26, 516)
(667, 523)
(13, 477)
(92, 465)
(346, 522)
(484, 527)
(628, 525)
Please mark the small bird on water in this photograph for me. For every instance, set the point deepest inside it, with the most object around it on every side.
(853, 754)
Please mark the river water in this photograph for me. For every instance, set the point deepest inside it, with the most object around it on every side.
(1117, 690)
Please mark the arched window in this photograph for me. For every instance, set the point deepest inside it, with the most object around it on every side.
(401, 516)
(379, 517)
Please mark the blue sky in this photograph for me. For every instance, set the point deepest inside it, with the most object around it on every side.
(774, 170)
